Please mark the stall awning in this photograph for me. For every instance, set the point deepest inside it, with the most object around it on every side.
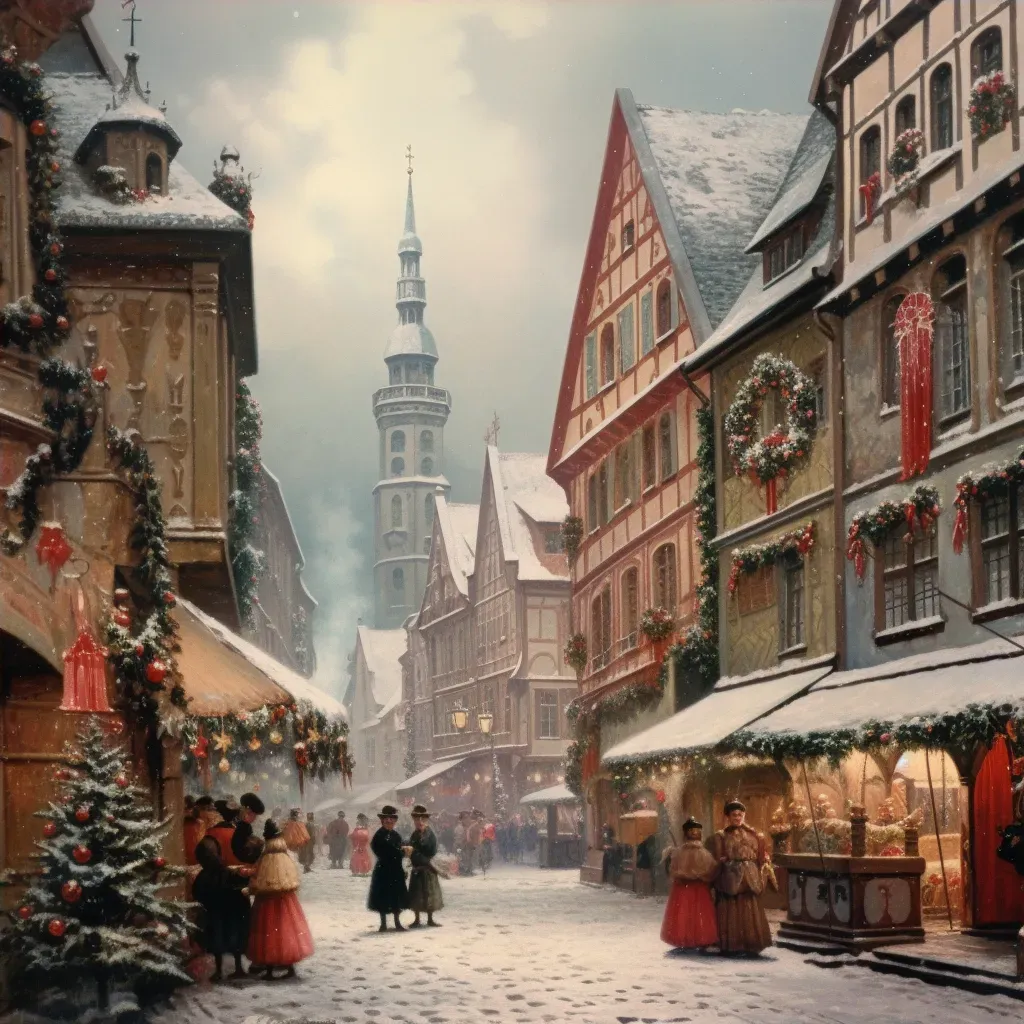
(923, 686)
(432, 772)
(222, 673)
(551, 795)
(735, 702)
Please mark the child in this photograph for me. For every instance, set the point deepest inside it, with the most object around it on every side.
(279, 935)
(690, 921)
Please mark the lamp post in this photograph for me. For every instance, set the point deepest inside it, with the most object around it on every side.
(485, 720)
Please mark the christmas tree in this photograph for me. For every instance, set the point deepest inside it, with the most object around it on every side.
(410, 765)
(500, 796)
(96, 910)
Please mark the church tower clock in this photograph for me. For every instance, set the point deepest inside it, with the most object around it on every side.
(411, 414)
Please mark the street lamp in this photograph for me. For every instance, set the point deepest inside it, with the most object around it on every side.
(485, 720)
(460, 718)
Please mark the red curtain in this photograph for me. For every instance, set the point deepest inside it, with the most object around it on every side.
(914, 328)
(998, 889)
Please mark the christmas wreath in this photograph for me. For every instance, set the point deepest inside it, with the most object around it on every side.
(994, 482)
(757, 556)
(572, 536)
(905, 158)
(991, 105)
(783, 450)
(576, 651)
(918, 510)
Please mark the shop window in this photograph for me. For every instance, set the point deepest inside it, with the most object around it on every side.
(907, 580)
(952, 343)
(941, 91)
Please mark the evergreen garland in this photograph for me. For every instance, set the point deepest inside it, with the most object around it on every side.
(572, 536)
(38, 323)
(410, 765)
(918, 510)
(235, 191)
(500, 794)
(758, 556)
(905, 157)
(248, 563)
(96, 911)
(995, 481)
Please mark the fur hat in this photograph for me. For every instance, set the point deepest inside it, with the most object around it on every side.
(419, 811)
(387, 811)
(271, 830)
(734, 805)
(251, 802)
(692, 825)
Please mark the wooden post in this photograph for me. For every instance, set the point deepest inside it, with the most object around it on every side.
(910, 843)
(859, 831)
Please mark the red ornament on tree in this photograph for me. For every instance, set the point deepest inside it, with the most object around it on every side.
(82, 814)
(159, 862)
(81, 854)
(123, 619)
(53, 549)
(49, 830)
(123, 781)
(169, 599)
(63, 323)
(56, 927)
(140, 650)
(37, 128)
(156, 670)
(25, 911)
(35, 321)
(71, 892)
(56, 248)
(99, 374)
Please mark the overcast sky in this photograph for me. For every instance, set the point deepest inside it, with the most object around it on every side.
(506, 106)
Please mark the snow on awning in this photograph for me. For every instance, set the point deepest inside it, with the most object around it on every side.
(732, 705)
(431, 772)
(223, 673)
(551, 795)
(902, 691)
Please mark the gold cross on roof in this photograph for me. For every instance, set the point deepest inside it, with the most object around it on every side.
(409, 156)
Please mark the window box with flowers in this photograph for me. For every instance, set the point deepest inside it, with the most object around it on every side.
(576, 652)
(657, 624)
(991, 105)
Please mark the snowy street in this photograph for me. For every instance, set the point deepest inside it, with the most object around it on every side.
(529, 945)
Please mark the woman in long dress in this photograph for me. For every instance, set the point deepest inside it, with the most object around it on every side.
(690, 921)
(424, 886)
(741, 855)
(360, 862)
(279, 936)
(388, 891)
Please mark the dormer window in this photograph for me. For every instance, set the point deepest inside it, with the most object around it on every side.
(154, 173)
(786, 252)
(627, 236)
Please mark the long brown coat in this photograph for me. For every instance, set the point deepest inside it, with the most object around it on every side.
(742, 925)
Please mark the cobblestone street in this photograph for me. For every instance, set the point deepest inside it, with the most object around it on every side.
(529, 945)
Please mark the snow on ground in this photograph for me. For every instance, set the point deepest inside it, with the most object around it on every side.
(528, 945)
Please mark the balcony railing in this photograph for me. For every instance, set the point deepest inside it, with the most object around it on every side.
(404, 392)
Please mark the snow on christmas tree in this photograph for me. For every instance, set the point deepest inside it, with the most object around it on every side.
(500, 796)
(96, 911)
(410, 765)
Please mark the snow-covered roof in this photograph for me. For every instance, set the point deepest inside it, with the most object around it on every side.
(458, 524)
(720, 174)
(79, 101)
(804, 177)
(522, 491)
(213, 681)
(430, 772)
(382, 649)
(732, 705)
(560, 794)
(899, 692)
(410, 340)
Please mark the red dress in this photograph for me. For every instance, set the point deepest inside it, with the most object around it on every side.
(690, 919)
(279, 934)
(360, 862)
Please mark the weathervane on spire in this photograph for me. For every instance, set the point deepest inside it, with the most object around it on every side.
(132, 20)
(409, 157)
(491, 435)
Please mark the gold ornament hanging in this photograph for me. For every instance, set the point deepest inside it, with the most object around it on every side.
(276, 737)
(254, 743)
(222, 741)
(224, 765)
(312, 736)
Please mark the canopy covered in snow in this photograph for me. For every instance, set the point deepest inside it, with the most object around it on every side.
(222, 672)
(732, 705)
(560, 794)
(360, 797)
(428, 773)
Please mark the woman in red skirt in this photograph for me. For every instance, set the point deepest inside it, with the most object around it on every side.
(690, 921)
(360, 862)
(279, 936)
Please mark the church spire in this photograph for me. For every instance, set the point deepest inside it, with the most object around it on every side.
(410, 209)
(412, 289)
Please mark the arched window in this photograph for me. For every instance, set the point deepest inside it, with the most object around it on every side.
(664, 579)
(906, 114)
(630, 608)
(666, 446)
(987, 53)
(397, 467)
(601, 628)
(870, 159)
(427, 467)
(396, 513)
(664, 308)
(428, 509)
(952, 354)
(398, 440)
(154, 173)
(426, 441)
(890, 354)
(398, 579)
(941, 91)
(607, 354)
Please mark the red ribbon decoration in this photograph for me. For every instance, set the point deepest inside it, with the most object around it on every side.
(914, 329)
(869, 190)
(85, 661)
(855, 552)
(960, 521)
(53, 549)
(771, 499)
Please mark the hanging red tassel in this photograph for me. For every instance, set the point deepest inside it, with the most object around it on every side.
(85, 676)
(855, 552)
(959, 528)
(914, 329)
(870, 190)
(771, 498)
(53, 549)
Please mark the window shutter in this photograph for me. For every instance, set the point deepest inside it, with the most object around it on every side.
(627, 339)
(591, 364)
(646, 322)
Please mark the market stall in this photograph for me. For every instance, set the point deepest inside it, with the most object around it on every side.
(561, 846)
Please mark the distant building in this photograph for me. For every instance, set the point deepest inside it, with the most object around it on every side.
(283, 615)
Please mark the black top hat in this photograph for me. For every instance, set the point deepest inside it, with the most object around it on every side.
(204, 803)
(692, 824)
(419, 811)
(734, 805)
(271, 829)
(251, 802)
(387, 811)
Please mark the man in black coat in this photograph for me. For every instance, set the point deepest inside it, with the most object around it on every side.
(246, 846)
(226, 910)
(388, 891)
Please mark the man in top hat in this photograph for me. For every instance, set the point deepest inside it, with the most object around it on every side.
(424, 885)
(742, 856)
(337, 840)
(224, 829)
(388, 892)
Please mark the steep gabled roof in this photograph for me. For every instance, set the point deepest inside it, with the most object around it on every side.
(458, 525)
(840, 23)
(382, 649)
